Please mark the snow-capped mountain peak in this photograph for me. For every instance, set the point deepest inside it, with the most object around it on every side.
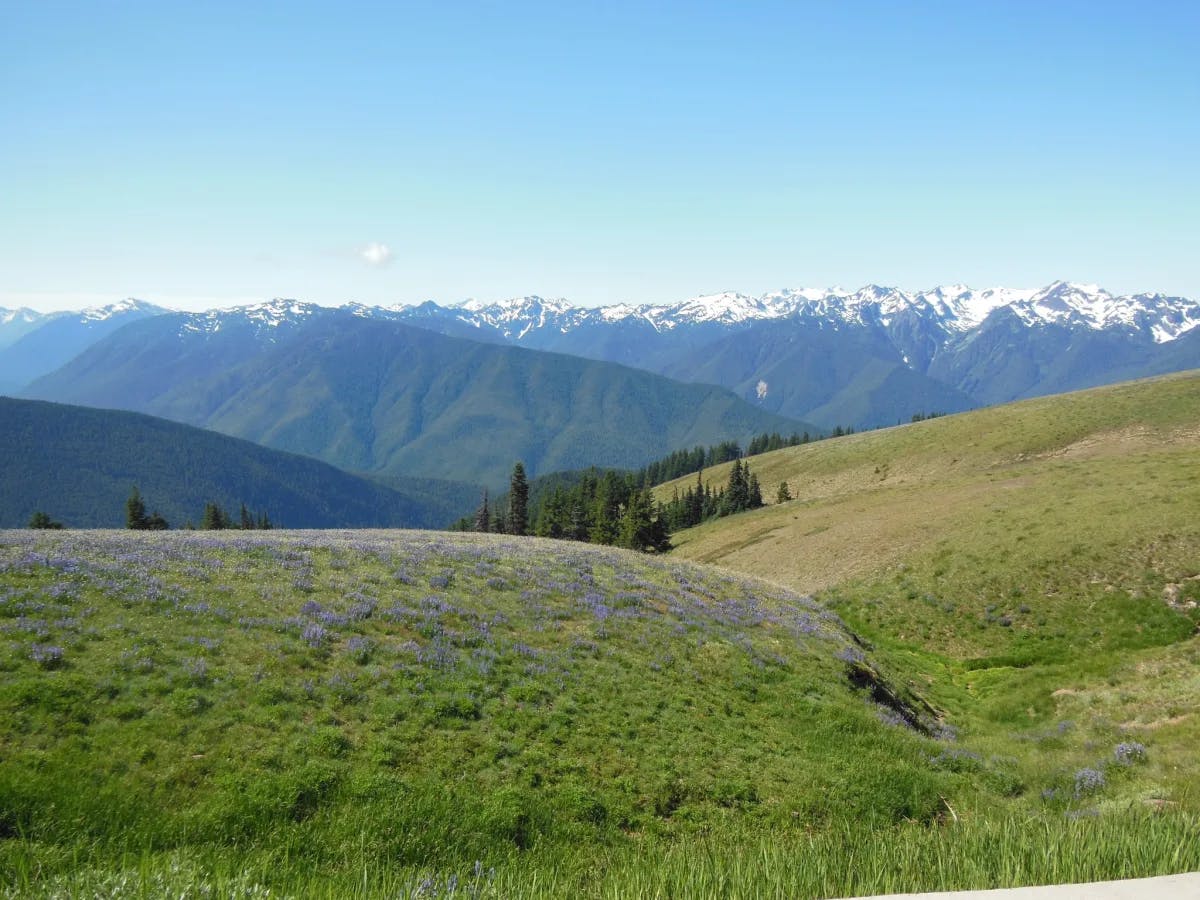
(266, 318)
(121, 307)
(951, 308)
(726, 307)
(516, 316)
(22, 314)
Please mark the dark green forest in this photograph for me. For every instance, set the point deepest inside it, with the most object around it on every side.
(76, 466)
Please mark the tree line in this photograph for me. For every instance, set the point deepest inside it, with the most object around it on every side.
(214, 517)
(687, 462)
(613, 508)
(700, 502)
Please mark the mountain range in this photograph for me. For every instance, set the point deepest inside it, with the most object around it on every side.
(32, 344)
(867, 357)
(368, 394)
(460, 392)
(859, 358)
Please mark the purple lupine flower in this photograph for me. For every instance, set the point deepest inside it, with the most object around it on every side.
(850, 654)
(1129, 752)
(314, 635)
(1088, 781)
(359, 648)
(46, 655)
(196, 668)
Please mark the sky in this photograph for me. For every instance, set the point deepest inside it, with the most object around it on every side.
(208, 154)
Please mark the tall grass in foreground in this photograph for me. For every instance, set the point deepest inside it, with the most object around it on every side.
(837, 862)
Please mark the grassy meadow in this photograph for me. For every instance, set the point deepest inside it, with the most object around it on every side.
(965, 656)
(1033, 570)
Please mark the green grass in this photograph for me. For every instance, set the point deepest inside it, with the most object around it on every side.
(1031, 569)
(419, 700)
(836, 862)
(588, 722)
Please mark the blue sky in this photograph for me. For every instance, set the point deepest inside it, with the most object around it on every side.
(196, 154)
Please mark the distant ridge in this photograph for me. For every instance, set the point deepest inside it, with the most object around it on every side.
(371, 395)
(45, 342)
(863, 358)
(78, 464)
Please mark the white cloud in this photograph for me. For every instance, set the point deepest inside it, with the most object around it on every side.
(376, 254)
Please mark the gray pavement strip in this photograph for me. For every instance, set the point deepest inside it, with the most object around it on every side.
(1165, 887)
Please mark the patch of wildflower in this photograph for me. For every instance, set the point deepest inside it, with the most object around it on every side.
(46, 655)
(359, 648)
(1127, 753)
(315, 635)
(470, 887)
(1089, 781)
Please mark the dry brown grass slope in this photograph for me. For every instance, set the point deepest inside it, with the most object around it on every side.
(867, 501)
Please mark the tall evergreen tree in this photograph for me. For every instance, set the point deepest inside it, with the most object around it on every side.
(737, 493)
(214, 518)
(634, 528)
(518, 502)
(247, 519)
(606, 510)
(135, 511)
(753, 492)
(483, 517)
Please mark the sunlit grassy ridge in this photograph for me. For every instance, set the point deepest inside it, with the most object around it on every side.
(869, 500)
(1034, 568)
(426, 699)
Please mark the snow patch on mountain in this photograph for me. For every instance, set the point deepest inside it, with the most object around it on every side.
(945, 310)
(121, 307)
(266, 318)
(954, 308)
(23, 314)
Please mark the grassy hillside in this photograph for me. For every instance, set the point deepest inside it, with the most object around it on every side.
(77, 465)
(867, 500)
(1034, 568)
(386, 714)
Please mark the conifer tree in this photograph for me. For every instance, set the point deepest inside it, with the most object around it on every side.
(606, 511)
(214, 518)
(634, 531)
(580, 523)
(41, 520)
(753, 492)
(660, 532)
(483, 518)
(518, 502)
(135, 511)
(695, 512)
(247, 520)
(784, 494)
(737, 493)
